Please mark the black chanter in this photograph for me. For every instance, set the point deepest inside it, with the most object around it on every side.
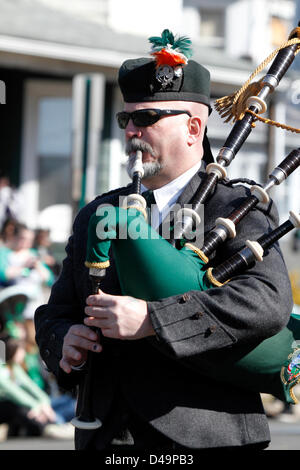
(86, 418)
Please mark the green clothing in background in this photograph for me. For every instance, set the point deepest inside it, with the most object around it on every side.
(33, 367)
(19, 388)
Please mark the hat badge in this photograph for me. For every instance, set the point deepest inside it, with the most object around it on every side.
(171, 54)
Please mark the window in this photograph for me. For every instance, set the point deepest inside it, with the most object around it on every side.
(46, 153)
(279, 31)
(54, 150)
(212, 27)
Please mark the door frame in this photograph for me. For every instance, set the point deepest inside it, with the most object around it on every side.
(34, 90)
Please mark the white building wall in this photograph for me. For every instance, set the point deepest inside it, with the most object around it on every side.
(95, 11)
(247, 31)
(144, 18)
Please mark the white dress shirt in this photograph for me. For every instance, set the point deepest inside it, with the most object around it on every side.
(167, 195)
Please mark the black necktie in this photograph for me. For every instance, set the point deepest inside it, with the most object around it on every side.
(150, 199)
(149, 196)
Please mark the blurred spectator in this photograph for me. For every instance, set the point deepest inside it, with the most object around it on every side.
(8, 232)
(63, 403)
(10, 201)
(23, 405)
(42, 245)
(13, 324)
(23, 271)
(19, 265)
(16, 327)
(32, 361)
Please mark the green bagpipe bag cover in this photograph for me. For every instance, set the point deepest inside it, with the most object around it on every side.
(150, 268)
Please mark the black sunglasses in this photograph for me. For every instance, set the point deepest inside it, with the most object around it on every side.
(146, 117)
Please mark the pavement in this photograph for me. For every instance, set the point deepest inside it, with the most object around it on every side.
(36, 443)
(285, 436)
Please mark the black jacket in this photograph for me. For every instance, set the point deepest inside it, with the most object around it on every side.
(160, 377)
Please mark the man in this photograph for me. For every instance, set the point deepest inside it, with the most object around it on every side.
(148, 389)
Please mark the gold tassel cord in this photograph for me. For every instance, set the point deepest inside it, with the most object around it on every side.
(198, 252)
(274, 123)
(212, 280)
(100, 265)
(233, 107)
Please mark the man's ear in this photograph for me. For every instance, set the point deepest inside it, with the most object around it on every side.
(194, 129)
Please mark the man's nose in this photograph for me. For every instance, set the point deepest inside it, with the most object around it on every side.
(132, 131)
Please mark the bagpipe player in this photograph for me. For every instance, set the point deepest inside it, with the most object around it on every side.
(148, 389)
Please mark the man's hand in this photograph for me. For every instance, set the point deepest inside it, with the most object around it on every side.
(77, 342)
(119, 317)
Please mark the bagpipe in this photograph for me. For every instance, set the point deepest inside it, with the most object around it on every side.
(140, 253)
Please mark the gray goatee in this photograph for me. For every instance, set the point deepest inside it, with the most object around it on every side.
(150, 168)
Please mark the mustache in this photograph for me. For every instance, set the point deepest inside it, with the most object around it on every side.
(135, 144)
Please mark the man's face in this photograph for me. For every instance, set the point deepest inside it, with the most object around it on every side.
(162, 143)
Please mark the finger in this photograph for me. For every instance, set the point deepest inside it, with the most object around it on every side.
(72, 354)
(98, 311)
(81, 344)
(99, 323)
(102, 299)
(93, 322)
(65, 366)
(82, 331)
(110, 332)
